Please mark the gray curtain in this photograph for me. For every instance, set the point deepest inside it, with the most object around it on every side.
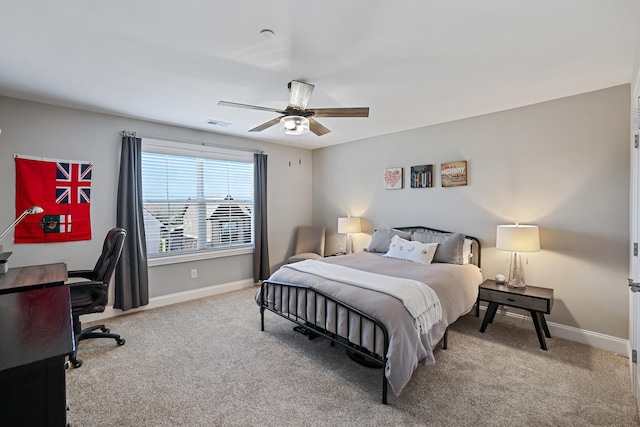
(132, 279)
(261, 269)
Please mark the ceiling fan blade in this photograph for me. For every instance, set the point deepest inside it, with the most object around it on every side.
(340, 112)
(317, 128)
(266, 125)
(250, 107)
(299, 95)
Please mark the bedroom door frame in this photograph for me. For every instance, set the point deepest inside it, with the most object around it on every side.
(634, 264)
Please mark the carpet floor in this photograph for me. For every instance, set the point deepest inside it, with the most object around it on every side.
(206, 363)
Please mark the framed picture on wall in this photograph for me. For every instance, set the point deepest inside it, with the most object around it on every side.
(453, 174)
(393, 178)
(422, 176)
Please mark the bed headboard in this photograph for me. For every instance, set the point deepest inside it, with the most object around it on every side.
(475, 245)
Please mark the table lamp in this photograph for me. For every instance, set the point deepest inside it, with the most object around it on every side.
(349, 226)
(3, 259)
(516, 239)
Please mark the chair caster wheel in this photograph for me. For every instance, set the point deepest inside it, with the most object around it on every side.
(121, 341)
(73, 364)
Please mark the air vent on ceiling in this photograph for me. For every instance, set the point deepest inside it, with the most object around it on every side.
(218, 123)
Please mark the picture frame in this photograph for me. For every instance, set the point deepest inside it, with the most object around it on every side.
(453, 174)
(393, 178)
(421, 176)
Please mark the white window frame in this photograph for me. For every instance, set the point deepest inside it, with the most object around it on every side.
(192, 150)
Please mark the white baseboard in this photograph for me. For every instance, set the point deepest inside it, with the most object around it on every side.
(594, 339)
(165, 300)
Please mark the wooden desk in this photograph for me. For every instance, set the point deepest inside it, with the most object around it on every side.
(22, 279)
(36, 334)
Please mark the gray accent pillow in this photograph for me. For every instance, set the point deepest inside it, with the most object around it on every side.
(449, 246)
(381, 239)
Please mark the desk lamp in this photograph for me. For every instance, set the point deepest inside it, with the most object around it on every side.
(3, 259)
(349, 226)
(515, 239)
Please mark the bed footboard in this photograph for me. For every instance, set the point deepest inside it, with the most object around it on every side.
(318, 313)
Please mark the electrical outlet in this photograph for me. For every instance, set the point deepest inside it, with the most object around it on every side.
(194, 273)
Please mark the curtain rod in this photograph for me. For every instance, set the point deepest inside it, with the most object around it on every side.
(189, 141)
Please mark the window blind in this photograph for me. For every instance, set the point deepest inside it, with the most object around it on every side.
(196, 200)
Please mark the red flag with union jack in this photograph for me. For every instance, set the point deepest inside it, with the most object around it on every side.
(63, 190)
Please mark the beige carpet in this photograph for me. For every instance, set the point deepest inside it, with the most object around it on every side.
(206, 363)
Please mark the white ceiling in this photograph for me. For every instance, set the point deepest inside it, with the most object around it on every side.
(414, 63)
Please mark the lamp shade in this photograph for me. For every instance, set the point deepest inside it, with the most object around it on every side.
(349, 225)
(518, 238)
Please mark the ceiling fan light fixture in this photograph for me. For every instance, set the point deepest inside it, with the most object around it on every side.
(295, 125)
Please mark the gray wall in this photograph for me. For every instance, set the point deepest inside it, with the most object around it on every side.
(563, 165)
(42, 130)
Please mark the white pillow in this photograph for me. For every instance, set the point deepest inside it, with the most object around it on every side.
(466, 251)
(411, 250)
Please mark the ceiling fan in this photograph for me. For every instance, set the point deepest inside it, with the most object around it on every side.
(296, 118)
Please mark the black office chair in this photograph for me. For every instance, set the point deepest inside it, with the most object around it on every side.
(91, 296)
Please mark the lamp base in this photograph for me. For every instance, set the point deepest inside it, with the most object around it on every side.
(516, 285)
(516, 272)
(349, 245)
(4, 265)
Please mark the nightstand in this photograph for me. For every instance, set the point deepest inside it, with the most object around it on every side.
(538, 301)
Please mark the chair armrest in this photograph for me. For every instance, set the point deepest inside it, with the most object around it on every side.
(80, 273)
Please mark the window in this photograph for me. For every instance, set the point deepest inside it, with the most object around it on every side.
(197, 200)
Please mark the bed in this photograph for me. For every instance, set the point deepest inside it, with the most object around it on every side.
(375, 303)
